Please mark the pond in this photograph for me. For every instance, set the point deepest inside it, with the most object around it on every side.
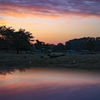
(50, 84)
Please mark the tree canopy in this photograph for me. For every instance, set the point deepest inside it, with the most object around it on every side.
(60, 47)
(90, 45)
(80, 44)
(68, 45)
(17, 40)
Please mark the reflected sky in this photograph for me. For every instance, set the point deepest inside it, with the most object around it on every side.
(50, 84)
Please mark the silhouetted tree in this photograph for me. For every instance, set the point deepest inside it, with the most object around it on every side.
(54, 48)
(77, 49)
(21, 40)
(38, 45)
(6, 34)
(81, 43)
(97, 48)
(68, 46)
(60, 47)
(47, 47)
(90, 45)
(1, 43)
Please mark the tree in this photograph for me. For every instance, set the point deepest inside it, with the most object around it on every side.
(47, 47)
(68, 45)
(21, 40)
(60, 47)
(38, 45)
(97, 48)
(90, 45)
(6, 34)
(77, 49)
(1, 43)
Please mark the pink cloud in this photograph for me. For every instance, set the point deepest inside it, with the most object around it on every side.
(51, 8)
(69, 23)
(83, 25)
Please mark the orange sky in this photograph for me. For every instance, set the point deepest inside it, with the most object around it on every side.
(52, 22)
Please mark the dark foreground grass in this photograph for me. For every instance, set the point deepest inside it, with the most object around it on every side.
(14, 61)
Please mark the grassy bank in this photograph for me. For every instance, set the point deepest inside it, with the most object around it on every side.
(12, 60)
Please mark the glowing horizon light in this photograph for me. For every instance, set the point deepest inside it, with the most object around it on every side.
(53, 21)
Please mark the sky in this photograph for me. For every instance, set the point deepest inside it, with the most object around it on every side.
(53, 21)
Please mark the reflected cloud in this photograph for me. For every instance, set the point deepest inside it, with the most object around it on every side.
(49, 83)
(24, 91)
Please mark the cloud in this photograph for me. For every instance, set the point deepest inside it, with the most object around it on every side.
(17, 23)
(30, 24)
(83, 25)
(69, 23)
(50, 8)
(1, 19)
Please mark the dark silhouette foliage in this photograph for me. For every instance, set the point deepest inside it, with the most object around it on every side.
(9, 39)
(6, 34)
(42, 46)
(60, 47)
(38, 45)
(90, 45)
(80, 44)
(68, 46)
(21, 40)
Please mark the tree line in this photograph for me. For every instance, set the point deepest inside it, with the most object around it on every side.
(89, 43)
(15, 40)
(86, 43)
(21, 41)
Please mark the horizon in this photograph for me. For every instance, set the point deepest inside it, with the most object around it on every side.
(65, 41)
(53, 21)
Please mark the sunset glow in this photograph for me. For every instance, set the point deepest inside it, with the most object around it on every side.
(53, 21)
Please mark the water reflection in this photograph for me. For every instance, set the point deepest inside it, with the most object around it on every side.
(50, 84)
(4, 70)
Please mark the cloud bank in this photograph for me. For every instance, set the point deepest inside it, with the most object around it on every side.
(50, 8)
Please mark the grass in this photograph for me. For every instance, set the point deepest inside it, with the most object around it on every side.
(11, 61)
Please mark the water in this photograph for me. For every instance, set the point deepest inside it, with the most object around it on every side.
(50, 84)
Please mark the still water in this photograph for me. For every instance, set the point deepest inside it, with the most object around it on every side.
(50, 84)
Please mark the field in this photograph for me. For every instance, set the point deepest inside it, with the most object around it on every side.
(11, 61)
